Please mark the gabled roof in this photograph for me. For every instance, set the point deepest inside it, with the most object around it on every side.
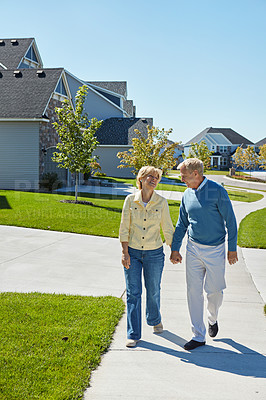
(128, 107)
(230, 134)
(261, 142)
(120, 131)
(179, 147)
(12, 51)
(27, 94)
(119, 87)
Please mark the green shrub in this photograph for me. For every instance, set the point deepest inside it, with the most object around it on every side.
(50, 181)
(99, 174)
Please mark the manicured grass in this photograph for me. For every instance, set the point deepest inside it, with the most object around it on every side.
(252, 230)
(240, 195)
(50, 343)
(239, 187)
(233, 194)
(172, 188)
(207, 172)
(160, 186)
(45, 211)
(216, 172)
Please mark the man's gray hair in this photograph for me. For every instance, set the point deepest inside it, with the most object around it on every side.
(192, 164)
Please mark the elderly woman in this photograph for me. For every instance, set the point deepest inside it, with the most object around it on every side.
(142, 249)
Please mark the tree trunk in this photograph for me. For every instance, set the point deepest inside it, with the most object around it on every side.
(76, 188)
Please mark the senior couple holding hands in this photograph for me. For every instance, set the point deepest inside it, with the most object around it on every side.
(206, 215)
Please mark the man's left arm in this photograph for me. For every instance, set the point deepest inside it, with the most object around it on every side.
(227, 212)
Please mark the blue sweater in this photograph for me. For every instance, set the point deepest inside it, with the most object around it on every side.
(204, 213)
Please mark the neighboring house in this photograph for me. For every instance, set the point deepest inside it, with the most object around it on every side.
(29, 95)
(223, 142)
(117, 93)
(259, 144)
(178, 154)
(19, 53)
(116, 135)
(97, 104)
(27, 102)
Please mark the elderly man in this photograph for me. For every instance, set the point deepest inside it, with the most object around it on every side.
(204, 212)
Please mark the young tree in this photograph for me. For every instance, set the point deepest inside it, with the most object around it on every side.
(201, 151)
(262, 157)
(77, 137)
(153, 150)
(250, 158)
(238, 157)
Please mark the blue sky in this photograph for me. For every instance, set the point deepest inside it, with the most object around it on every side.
(189, 64)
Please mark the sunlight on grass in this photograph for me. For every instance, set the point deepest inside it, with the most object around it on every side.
(50, 343)
(252, 230)
(45, 211)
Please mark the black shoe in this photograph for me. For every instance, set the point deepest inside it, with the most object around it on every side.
(213, 329)
(193, 344)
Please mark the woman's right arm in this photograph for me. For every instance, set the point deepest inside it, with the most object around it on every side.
(124, 233)
(125, 255)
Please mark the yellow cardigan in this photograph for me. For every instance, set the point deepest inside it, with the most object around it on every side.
(140, 225)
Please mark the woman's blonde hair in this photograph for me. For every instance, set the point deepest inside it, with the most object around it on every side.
(148, 170)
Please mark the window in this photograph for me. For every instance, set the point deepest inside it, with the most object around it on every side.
(23, 65)
(31, 54)
(224, 162)
(61, 88)
(223, 149)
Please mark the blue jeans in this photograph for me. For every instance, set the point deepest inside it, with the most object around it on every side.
(152, 263)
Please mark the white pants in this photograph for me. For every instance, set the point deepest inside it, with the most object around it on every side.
(205, 267)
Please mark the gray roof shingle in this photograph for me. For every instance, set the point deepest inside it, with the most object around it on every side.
(120, 131)
(119, 87)
(230, 134)
(128, 107)
(12, 53)
(27, 95)
(261, 142)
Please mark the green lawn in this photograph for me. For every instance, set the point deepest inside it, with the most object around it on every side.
(233, 194)
(241, 195)
(160, 186)
(239, 187)
(50, 343)
(207, 172)
(45, 211)
(252, 230)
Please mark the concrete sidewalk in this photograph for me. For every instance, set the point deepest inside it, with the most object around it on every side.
(232, 366)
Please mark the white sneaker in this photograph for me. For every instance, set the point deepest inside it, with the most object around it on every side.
(131, 343)
(158, 328)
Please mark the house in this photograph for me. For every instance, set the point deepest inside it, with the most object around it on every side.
(222, 142)
(29, 95)
(27, 102)
(178, 154)
(116, 135)
(19, 53)
(259, 144)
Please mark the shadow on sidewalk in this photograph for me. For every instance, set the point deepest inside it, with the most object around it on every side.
(244, 361)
